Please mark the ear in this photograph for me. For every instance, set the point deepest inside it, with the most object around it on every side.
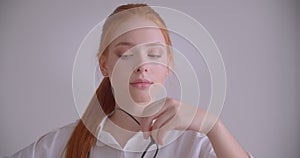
(103, 67)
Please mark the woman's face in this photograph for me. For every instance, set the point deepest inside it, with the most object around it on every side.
(140, 59)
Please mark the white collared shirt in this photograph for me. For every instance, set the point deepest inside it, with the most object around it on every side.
(189, 144)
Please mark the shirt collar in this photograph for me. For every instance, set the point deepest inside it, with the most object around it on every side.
(135, 143)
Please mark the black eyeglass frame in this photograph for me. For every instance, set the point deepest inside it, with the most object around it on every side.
(150, 144)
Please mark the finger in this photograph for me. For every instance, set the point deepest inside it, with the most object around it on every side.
(146, 135)
(146, 127)
(162, 119)
(160, 134)
(154, 107)
(147, 124)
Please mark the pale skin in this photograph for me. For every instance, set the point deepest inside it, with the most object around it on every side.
(172, 114)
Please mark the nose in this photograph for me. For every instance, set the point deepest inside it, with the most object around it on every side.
(141, 69)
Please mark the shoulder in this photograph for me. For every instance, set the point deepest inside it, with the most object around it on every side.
(196, 143)
(51, 144)
(198, 139)
(57, 135)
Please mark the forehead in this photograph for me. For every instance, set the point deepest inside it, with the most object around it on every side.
(140, 36)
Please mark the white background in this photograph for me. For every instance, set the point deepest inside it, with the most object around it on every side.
(259, 42)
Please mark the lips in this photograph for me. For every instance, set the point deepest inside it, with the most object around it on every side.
(141, 83)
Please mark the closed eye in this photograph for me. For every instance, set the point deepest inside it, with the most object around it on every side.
(125, 56)
(154, 56)
(155, 52)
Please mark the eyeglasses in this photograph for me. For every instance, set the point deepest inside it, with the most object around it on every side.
(152, 141)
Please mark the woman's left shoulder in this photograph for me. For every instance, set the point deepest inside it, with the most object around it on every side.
(190, 138)
(192, 143)
(193, 135)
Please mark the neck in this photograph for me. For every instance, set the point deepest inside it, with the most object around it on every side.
(125, 120)
(121, 126)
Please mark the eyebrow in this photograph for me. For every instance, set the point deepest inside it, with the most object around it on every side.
(154, 44)
(124, 43)
(132, 44)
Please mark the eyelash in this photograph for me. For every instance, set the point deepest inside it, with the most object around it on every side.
(154, 53)
(154, 56)
(150, 54)
(125, 56)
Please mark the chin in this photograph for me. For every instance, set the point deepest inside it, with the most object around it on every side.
(142, 100)
(140, 96)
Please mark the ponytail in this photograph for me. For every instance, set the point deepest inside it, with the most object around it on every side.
(84, 135)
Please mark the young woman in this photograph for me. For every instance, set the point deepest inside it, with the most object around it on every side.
(122, 119)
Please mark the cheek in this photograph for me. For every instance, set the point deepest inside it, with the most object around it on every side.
(161, 72)
(110, 65)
